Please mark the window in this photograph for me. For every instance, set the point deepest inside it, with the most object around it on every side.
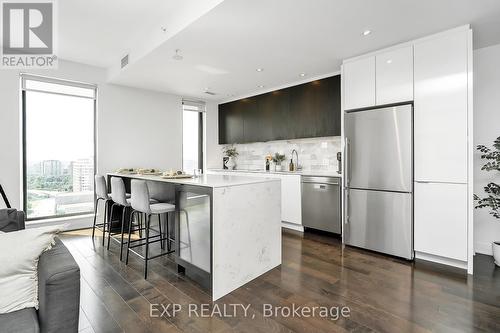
(58, 147)
(192, 135)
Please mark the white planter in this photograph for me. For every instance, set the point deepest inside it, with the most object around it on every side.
(496, 252)
(231, 163)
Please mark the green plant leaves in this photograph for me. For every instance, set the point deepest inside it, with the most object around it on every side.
(492, 201)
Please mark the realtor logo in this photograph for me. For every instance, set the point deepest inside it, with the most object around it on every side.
(28, 34)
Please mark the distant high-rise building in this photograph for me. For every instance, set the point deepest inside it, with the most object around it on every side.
(51, 168)
(35, 168)
(83, 174)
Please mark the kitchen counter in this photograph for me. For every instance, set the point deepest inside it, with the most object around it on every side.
(210, 180)
(228, 227)
(300, 172)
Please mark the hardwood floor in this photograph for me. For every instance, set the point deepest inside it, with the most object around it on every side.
(383, 294)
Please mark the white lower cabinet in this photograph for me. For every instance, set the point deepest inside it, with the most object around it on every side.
(441, 220)
(291, 199)
(291, 193)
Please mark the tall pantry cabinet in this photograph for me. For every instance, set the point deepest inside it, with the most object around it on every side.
(442, 149)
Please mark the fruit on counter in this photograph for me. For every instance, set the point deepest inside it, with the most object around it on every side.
(172, 173)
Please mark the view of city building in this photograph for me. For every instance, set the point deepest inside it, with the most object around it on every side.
(83, 174)
(51, 168)
(60, 187)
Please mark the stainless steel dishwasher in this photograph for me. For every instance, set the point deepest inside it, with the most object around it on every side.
(321, 203)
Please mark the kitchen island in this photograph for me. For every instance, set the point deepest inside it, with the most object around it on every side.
(227, 228)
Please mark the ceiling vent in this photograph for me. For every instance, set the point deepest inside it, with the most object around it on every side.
(210, 93)
(124, 61)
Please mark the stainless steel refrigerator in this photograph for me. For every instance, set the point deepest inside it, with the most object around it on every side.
(379, 180)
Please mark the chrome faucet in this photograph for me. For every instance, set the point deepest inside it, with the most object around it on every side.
(296, 164)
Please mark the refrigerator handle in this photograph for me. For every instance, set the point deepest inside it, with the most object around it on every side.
(347, 163)
(346, 226)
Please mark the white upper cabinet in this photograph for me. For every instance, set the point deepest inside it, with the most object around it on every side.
(359, 83)
(441, 109)
(377, 80)
(394, 76)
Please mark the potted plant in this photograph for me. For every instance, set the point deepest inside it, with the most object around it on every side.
(277, 159)
(492, 190)
(231, 152)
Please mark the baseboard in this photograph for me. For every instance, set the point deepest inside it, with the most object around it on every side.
(293, 226)
(441, 260)
(483, 248)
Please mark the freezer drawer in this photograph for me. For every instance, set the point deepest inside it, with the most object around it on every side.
(379, 221)
(321, 203)
(379, 149)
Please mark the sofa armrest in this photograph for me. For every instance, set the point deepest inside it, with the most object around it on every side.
(58, 290)
(11, 220)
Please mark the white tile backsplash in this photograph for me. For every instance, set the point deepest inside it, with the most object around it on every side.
(314, 153)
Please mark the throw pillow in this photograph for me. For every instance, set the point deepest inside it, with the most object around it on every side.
(19, 255)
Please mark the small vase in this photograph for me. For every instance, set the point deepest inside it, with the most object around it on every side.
(496, 252)
(231, 163)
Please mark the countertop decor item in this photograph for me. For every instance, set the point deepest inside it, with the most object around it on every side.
(181, 176)
(177, 174)
(231, 152)
(269, 158)
(127, 171)
(277, 159)
(492, 190)
(153, 172)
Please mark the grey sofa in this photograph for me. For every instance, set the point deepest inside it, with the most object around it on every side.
(58, 288)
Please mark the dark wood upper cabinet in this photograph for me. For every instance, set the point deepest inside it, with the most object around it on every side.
(230, 123)
(315, 108)
(304, 111)
(257, 122)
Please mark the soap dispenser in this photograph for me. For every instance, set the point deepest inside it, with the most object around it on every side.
(291, 166)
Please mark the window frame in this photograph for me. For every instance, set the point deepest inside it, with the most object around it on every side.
(23, 78)
(201, 130)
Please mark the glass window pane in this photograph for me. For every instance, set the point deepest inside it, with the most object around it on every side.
(59, 154)
(59, 88)
(191, 138)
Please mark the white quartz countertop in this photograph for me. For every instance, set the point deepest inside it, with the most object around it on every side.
(301, 172)
(212, 181)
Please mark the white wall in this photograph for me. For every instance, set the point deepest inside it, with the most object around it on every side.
(213, 156)
(135, 127)
(138, 128)
(486, 129)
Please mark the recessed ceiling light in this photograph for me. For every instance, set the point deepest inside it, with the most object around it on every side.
(177, 56)
(302, 74)
(259, 69)
(260, 86)
(367, 32)
(389, 61)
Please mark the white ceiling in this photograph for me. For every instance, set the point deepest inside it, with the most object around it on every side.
(101, 32)
(226, 42)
